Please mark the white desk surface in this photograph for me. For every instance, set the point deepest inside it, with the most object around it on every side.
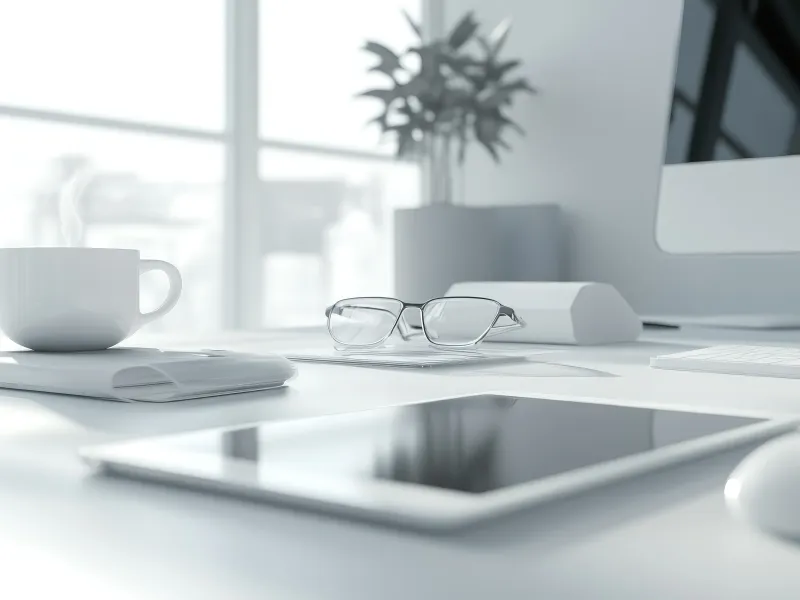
(665, 536)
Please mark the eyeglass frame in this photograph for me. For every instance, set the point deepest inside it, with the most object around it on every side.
(502, 311)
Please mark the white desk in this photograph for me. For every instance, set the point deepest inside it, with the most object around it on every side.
(665, 536)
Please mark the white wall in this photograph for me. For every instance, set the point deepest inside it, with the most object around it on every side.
(595, 146)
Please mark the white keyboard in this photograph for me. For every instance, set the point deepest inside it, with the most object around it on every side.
(767, 361)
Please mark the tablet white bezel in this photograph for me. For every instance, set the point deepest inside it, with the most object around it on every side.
(397, 502)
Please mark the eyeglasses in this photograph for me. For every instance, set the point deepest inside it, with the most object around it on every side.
(451, 322)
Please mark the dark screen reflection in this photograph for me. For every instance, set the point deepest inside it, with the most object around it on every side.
(242, 444)
(473, 444)
(443, 445)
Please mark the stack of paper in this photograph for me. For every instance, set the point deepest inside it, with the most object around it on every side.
(405, 356)
(143, 374)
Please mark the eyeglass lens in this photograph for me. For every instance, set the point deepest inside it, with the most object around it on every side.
(448, 321)
(459, 321)
(363, 321)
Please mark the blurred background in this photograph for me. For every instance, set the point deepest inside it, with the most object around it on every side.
(150, 109)
(225, 135)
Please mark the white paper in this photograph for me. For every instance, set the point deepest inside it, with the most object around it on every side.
(407, 357)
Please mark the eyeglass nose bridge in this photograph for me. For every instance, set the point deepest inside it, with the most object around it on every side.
(408, 330)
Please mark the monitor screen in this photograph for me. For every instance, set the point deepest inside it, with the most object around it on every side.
(737, 85)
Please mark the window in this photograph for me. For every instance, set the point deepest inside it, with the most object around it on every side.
(154, 61)
(327, 230)
(329, 184)
(311, 73)
(156, 193)
(132, 95)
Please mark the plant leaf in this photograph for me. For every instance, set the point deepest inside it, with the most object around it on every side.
(458, 96)
(434, 93)
(500, 70)
(416, 87)
(416, 119)
(448, 115)
(389, 61)
(430, 57)
(485, 45)
(520, 84)
(508, 122)
(488, 128)
(385, 95)
(490, 149)
(504, 93)
(460, 63)
(414, 25)
(499, 36)
(381, 120)
(487, 132)
(463, 31)
(495, 98)
(453, 90)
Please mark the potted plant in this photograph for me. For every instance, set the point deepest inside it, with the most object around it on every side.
(443, 96)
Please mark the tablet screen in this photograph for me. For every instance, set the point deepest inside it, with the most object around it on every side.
(473, 444)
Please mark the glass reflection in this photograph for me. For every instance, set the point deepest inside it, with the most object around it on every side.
(475, 444)
(442, 445)
(241, 444)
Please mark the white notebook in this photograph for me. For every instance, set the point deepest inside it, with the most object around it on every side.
(143, 374)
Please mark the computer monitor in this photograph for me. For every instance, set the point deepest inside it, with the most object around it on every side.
(732, 180)
(596, 147)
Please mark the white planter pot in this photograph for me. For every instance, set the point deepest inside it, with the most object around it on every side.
(436, 246)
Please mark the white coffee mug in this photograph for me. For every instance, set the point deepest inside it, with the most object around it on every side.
(76, 299)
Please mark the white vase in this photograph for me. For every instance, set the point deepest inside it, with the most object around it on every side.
(437, 246)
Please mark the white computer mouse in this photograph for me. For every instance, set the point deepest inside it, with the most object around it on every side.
(764, 490)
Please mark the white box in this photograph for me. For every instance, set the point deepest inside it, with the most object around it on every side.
(577, 313)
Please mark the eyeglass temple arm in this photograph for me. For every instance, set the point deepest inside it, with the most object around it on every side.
(506, 311)
(496, 329)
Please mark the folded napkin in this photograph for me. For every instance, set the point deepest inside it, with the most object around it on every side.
(143, 374)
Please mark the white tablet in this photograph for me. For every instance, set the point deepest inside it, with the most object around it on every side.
(435, 464)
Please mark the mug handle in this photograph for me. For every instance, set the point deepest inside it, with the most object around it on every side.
(175, 287)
